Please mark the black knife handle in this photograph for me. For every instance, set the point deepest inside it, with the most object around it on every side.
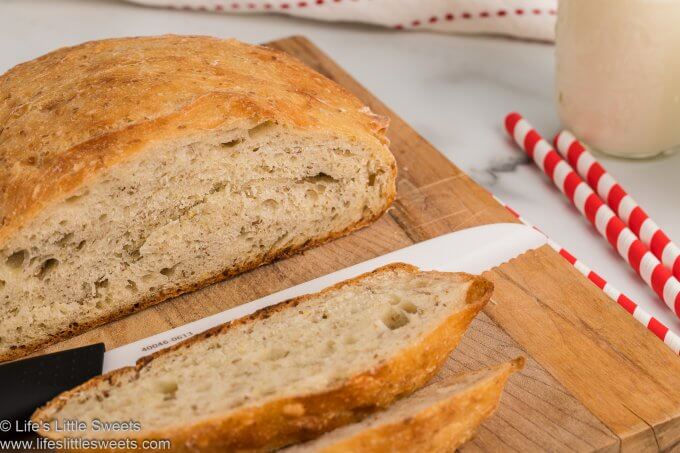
(27, 384)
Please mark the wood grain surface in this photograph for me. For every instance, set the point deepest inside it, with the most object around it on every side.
(595, 379)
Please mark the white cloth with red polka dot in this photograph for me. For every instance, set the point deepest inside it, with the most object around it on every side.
(529, 19)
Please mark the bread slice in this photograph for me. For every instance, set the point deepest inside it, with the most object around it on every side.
(291, 371)
(436, 419)
(136, 169)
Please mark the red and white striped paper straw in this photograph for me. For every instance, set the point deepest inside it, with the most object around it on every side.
(670, 338)
(619, 200)
(650, 269)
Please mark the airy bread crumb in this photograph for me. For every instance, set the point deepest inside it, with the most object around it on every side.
(141, 168)
(291, 371)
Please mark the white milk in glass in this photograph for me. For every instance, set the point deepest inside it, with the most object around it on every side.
(618, 74)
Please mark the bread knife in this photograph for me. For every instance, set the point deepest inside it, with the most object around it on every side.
(473, 250)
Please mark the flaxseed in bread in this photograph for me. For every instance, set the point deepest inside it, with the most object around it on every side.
(291, 371)
(136, 169)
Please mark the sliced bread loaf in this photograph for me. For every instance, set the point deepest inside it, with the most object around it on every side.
(132, 170)
(436, 419)
(291, 371)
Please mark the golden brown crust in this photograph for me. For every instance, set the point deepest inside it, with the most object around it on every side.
(103, 101)
(272, 425)
(69, 115)
(440, 428)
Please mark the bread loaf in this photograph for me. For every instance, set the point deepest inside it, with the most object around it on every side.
(436, 419)
(133, 170)
(288, 372)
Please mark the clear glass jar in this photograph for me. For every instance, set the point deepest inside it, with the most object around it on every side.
(618, 74)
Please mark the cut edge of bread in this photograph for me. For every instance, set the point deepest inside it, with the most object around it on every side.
(281, 421)
(273, 255)
(437, 418)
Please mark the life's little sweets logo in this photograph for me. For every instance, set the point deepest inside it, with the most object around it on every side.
(78, 435)
(72, 426)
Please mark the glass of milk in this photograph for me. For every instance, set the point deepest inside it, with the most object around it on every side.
(618, 74)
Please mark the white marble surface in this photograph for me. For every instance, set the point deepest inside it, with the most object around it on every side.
(454, 90)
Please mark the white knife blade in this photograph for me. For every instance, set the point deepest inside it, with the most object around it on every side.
(473, 250)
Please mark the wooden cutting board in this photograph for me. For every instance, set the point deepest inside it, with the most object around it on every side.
(595, 379)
